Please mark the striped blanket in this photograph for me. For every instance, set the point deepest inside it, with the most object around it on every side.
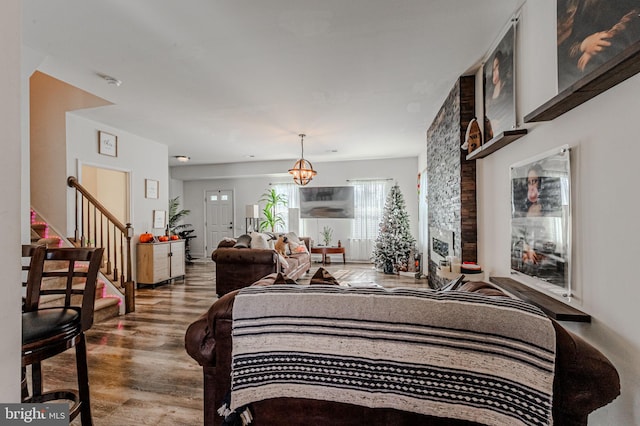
(448, 354)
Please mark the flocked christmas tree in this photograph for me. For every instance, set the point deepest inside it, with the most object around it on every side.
(394, 241)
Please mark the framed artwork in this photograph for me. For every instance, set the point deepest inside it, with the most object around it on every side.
(150, 188)
(107, 144)
(541, 220)
(159, 219)
(499, 87)
(591, 34)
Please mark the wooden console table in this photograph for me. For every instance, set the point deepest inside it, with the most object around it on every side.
(324, 251)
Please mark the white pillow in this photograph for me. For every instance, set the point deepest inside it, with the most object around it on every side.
(292, 237)
(297, 247)
(259, 241)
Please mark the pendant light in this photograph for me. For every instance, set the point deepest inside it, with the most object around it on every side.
(302, 171)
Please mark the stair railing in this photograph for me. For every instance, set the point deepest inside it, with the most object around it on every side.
(95, 226)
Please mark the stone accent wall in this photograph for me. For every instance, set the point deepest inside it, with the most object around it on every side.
(451, 179)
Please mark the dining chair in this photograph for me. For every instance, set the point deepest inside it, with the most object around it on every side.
(32, 254)
(49, 331)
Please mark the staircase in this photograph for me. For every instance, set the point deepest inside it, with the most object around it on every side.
(108, 300)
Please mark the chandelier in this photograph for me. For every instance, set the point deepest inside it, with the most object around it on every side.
(302, 171)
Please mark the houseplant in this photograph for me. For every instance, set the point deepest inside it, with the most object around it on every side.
(272, 218)
(326, 235)
(176, 216)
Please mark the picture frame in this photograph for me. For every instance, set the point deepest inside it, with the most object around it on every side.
(151, 188)
(159, 219)
(591, 36)
(499, 86)
(541, 221)
(107, 144)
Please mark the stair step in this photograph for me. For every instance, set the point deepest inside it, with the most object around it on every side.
(105, 308)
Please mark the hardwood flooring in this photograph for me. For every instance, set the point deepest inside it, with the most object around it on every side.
(140, 373)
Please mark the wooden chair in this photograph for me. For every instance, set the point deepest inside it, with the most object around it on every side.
(31, 255)
(47, 332)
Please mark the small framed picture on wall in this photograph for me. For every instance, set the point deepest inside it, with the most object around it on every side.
(107, 144)
(150, 188)
(159, 219)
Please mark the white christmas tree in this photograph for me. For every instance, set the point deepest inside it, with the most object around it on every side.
(394, 241)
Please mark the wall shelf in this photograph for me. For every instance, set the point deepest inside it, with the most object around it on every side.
(503, 139)
(553, 308)
(615, 71)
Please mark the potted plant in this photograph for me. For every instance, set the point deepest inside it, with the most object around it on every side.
(272, 201)
(326, 235)
(176, 216)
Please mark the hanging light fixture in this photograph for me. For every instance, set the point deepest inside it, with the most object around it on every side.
(302, 171)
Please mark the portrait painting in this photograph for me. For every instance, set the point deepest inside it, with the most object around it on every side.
(499, 87)
(540, 219)
(592, 32)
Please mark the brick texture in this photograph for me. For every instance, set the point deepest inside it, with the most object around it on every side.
(451, 179)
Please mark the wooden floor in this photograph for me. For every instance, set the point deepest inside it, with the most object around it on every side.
(138, 368)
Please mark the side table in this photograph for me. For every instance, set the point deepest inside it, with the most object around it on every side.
(324, 251)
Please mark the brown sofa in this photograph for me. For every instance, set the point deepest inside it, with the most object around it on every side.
(584, 379)
(239, 267)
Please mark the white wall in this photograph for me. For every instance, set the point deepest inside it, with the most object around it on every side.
(142, 158)
(10, 217)
(247, 187)
(605, 152)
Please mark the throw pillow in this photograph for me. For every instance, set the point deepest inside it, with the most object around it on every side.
(291, 236)
(297, 247)
(227, 242)
(283, 279)
(244, 241)
(259, 241)
(322, 276)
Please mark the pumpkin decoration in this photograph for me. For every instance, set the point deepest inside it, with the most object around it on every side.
(146, 238)
(174, 237)
(163, 238)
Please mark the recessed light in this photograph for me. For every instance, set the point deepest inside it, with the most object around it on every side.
(250, 156)
(111, 80)
(182, 158)
(332, 150)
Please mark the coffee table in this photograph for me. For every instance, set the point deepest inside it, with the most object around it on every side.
(324, 251)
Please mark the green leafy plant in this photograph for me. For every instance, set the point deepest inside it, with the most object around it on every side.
(326, 234)
(271, 218)
(176, 216)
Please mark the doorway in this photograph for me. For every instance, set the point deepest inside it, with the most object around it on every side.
(110, 187)
(219, 217)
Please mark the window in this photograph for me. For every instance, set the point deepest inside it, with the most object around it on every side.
(369, 197)
(289, 190)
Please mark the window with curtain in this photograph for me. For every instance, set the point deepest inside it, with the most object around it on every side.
(369, 198)
(289, 190)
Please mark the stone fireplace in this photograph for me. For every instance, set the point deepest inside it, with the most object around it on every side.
(451, 181)
(440, 244)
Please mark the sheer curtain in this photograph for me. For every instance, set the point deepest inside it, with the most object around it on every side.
(369, 197)
(289, 190)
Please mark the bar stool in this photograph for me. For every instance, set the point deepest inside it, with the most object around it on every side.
(47, 332)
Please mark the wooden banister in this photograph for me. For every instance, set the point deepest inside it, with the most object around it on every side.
(72, 181)
(96, 226)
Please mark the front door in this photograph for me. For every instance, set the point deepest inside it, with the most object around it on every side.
(219, 217)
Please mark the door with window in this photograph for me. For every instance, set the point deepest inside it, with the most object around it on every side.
(219, 217)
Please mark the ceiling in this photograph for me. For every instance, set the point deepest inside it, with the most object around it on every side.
(226, 81)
